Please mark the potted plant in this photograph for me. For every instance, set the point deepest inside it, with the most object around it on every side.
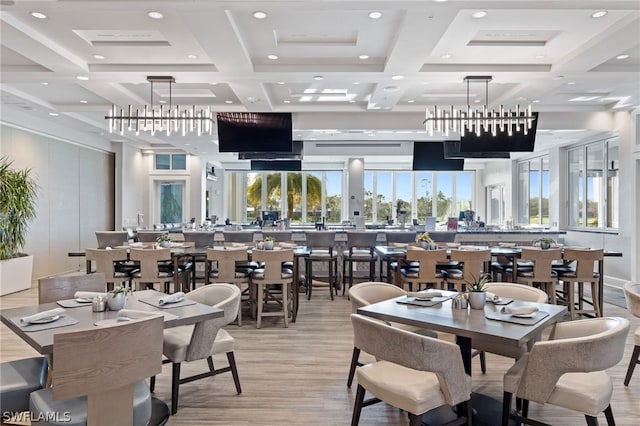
(544, 242)
(18, 200)
(268, 243)
(163, 240)
(117, 298)
(477, 290)
(424, 240)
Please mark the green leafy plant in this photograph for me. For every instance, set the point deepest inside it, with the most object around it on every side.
(268, 238)
(544, 242)
(163, 238)
(477, 284)
(424, 238)
(18, 198)
(119, 290)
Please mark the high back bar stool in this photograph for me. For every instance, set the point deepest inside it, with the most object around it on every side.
(583, 272)
(150, 272)
(222, 267)
(360, 249)
(273, 279)
(321, 251)
(394, 238)
(111, 238)
(427, 271)
(149, 236)
(199, 239)
(541, 272)
(106, 261)
(474, 264)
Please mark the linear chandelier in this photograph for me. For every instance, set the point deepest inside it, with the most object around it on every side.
(479, 121)
(168, 120)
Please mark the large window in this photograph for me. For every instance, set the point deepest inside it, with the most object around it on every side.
(171, 162)
(533, 191)
(593, 185)
(171, 201)
(333, 203)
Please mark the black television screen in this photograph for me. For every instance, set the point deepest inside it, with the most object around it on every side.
(452, 150)
(277, 165)
(295, 154)
(254, 132)
(430, 156)
(501, 142)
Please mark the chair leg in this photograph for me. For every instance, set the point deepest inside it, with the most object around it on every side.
(152, 384)
(525, 407)
(591, 421)
(635, 359)
(595, 300)
(175, 384)
(415, 420)
(506, 408)
(259, 305)
(469, 412)
(234, 371)
(331, 278)
(285, 303)
(344, 275)
(608, 413)
(570, 300)
(357, 406)
(483, 362)
(354, 364)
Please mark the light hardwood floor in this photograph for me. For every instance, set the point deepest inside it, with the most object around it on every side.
(297, 376)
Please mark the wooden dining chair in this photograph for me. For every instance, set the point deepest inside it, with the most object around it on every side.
(111, 238)
(150, 272)
(540, 271)
(64, 287)
(273, 283)
(421, 267)
(199, 239)
(99, 375)
(583, 263)
(474, 264)
(149, 236)
(106, 261)
(222, 266)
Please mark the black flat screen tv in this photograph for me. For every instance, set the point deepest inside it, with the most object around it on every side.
(501, 142)
(430, 156)
(254, 132)
(277, 165)
(452, 150)
(295, 154)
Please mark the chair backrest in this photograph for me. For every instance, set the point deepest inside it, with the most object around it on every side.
(223, 296)
(323, 240)
(149, 259)
(273, 260)
(101, 359)
(199, 238)
(400, 237)
(366, 293)
(238, 236)
(149, 236)
(517, 292)
(105, 259)
(473, 260)
(632, 294)
(542, 260)
(584, 259)
(428, 260)
(278, 236)
(226, 261)
(111, 238)
(362, 240)
(573, 347)
(442, 236)
(64, 287)
(414, 351)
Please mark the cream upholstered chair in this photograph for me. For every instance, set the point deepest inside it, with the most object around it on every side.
(149, 272)
(111, 238)
(582, 273)
(99, 375)
(222, 266)
(105, 261)
(541, 273)
(473, 265)
(568, 370)
(427, 271)
(360, 249)
(414, 373)
(366, 293)
(632, 294)
(203, 340)
(18, 379)
(64, 287)
(517, 292)
(272, 279)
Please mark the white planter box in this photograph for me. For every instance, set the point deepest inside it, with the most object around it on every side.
(15, 274)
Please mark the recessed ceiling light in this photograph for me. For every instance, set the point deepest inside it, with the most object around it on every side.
(599, 14)
(162, 101)
(155, 15)
(375, 15)
(82, 77)
(192, 56)
(539, 56)
(571, 83)
(363, 57)
(187, 144)
(98, 57)
(352, 101)
(258, 14)
(39, 15)
(272, 57)
(410, 101)
(228, 102)
(355, 83)
(82, 101)
(281, 82)
(397, 77)
(54, 114)
(287, 102)
(622, 56)
(440, 1)
(44, 83)
(477, 101)
(479, 14)
(446, 56)
(536, 101)
(318, 77)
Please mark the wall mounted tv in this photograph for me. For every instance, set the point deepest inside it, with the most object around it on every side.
(502, 142)
(452, 150)
(430, 156)
(277, 165)
(254, 132)
(295, 154)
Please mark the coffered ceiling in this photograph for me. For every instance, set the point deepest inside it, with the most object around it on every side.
(346, 73)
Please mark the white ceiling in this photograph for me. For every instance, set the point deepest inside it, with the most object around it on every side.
(551, 54)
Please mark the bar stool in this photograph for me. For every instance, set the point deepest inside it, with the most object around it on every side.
(360, 249)
(473, 265)
(581, 273)
(150, 272)
(427, 271)
(106, 261)
(226, 270)
(540, 272)
(274, 278)
(394, 238)
(200, 239)
(320, 245)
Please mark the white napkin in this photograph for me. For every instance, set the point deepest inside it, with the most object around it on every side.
(492, 296)
(132, 314)
(171, 298)
(519, 310)
(41, 315)
(287, 245)
(428, 293)
(136, 244)
(88, 294)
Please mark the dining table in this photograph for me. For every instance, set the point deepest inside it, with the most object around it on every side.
(468, 324)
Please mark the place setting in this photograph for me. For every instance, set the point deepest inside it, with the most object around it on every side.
(168, 301)
(125, 315)
(519, 314)
(44, 320)
(81, 298)
(423, 298)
